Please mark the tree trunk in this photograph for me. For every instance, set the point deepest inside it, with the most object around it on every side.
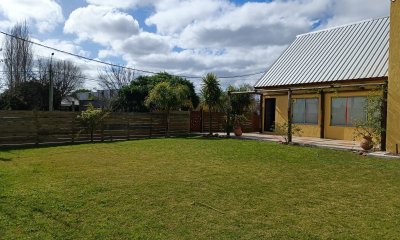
(91, 136)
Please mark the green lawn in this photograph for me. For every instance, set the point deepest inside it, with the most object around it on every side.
(196, 189)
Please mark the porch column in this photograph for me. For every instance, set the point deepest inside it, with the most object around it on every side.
(384, 116)
(261, 112)
(322, 112)
(290, 120)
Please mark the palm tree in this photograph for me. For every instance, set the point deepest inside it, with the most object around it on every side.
(167, 97)
(211, 94)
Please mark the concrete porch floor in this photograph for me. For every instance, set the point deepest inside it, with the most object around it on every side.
(305, 141)
(315, 142)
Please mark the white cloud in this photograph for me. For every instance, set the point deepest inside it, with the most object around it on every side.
(345, 11)
(174, 15)
(143, 44)
(211, 35)
(101, 24)
(121, 3)
(45, 14)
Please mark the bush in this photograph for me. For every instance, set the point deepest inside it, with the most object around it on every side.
(91, 119)
(283, 129)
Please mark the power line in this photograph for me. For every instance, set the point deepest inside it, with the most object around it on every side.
(116, 65)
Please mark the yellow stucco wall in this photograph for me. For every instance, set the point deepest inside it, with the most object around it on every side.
(339, 132)
(281, 114)
(331, 132)
(393, 117)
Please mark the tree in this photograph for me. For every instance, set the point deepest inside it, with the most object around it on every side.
(18, 56)
(370, 127)
(211, 94)
(91, 119)
(236, 105)
(242, 103)
(67, 76)
(30, 95)
(115, 78)
(132, 98)
(167, 97)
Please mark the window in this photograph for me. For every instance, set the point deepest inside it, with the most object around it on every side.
(346, 110)
(305, 111)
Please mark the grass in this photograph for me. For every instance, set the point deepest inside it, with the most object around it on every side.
(195, 188)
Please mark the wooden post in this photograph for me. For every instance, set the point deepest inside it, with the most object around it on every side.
(102, 132)
(128, 128)
(322, 112)
(289, 133)
(228, 117)
(384, 116)
(260, 125)
(202, 120)
(151, 125)
(73, 129)
(37, 127)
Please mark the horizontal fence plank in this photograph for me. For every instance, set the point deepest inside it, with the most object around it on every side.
(35, 127)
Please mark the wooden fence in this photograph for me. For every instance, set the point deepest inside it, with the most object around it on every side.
(34, 127)
(200, 122)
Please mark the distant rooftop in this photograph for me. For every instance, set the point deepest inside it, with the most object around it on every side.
(353, 51)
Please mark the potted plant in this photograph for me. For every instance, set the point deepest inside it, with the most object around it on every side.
(369, 129)
(237, 124)
(237, 106)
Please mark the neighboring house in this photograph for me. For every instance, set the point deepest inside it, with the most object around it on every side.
(324, 77)
(69, 103)
(99, 99)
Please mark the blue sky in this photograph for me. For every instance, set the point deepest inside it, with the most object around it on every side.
(187, 37)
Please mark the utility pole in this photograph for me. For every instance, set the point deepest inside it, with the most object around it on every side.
(51, 89)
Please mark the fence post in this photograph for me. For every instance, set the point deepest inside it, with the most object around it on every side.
(128, 127)
(202, 120)
(102, 131)
(37, 127)
(73, 128)
(189, 130)
(151, 125)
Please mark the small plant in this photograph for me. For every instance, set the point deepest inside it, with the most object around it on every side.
(91, 119)
(238, 120)
(370, 127)
(283, 129)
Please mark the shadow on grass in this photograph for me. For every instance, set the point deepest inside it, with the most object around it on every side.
(53, 145)
(5, 159)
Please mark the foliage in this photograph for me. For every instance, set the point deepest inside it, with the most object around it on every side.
(132, 98)
(370, 127)
(18, 56)
(237, 105)
(211, 91)
(67, 76)
(31, 95)
(242, 103)
(282, 129)
(167, 97)
(115, 78)
(238, 120)
(211, 95)
(91, 119)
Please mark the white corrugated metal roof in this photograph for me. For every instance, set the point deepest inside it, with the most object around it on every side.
(354, 51)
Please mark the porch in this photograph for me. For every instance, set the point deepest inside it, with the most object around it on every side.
(305, 141)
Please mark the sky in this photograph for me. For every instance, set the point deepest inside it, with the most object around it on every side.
(182, 37)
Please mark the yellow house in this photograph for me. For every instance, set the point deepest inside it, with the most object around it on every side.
(323, 78)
